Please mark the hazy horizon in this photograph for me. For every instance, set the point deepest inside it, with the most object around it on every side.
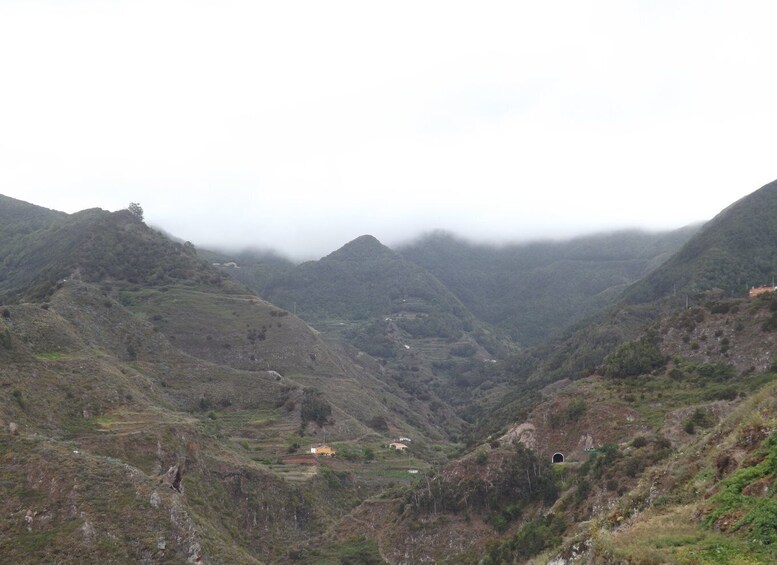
(300, 127)
(399, 243)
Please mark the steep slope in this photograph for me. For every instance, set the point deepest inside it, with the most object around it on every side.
(94, 245)
(386, 306)
(733, 252)
(155, 411)
(732, 247)
(112, 454)
(364, 279)
(254, 268)
(19, 219)
(535, 290)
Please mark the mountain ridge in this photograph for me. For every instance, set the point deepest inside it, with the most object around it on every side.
(144, 386)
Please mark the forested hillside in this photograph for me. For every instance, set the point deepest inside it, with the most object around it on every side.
(384, 305)
(735, 251)
(93, 245)
(534, 291)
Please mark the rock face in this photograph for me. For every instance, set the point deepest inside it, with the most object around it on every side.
(174, 477)
(522, 433)
(586, 442)
(186, 533)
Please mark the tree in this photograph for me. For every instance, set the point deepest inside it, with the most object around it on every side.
(634, 358)
(135, 209)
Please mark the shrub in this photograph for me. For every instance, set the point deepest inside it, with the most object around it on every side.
(5, 339)
(662, 442)
(378, 423)
(703, 418)
(575, 409)
(17, 394)
(634, 358)
(639, 441)
(716, 371)
(499, 522)
(535, 536)
(770, 324)
(720, 307)
(314, 407)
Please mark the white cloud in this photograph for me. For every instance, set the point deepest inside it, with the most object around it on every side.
(303, 125)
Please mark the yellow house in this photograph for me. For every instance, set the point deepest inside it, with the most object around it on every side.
(398, 446)
(323, 450)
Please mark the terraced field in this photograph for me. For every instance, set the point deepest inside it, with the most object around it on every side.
(122, 421)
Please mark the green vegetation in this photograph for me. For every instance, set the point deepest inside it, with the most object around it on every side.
(516, 478)
(748, 497)
(571, 414)
(372, 338)
(534, 291)
(5, 339)
(633, 358)
(314, 407)
(361, 281)
(101, 245)
(148, 358)
(535, 536)
(733, 252)
(699, 418)
(356, 551)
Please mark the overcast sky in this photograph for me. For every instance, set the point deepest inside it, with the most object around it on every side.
(302, 125)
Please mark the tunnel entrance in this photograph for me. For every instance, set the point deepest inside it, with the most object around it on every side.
(558, 457)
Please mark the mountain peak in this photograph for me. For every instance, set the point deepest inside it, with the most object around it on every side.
(361, 248)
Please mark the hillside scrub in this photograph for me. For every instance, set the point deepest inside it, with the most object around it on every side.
(534, 291)
(500, 486)
(315, 408)
(731, 252)
(535, 536)
(633, 358)
(98, 246)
